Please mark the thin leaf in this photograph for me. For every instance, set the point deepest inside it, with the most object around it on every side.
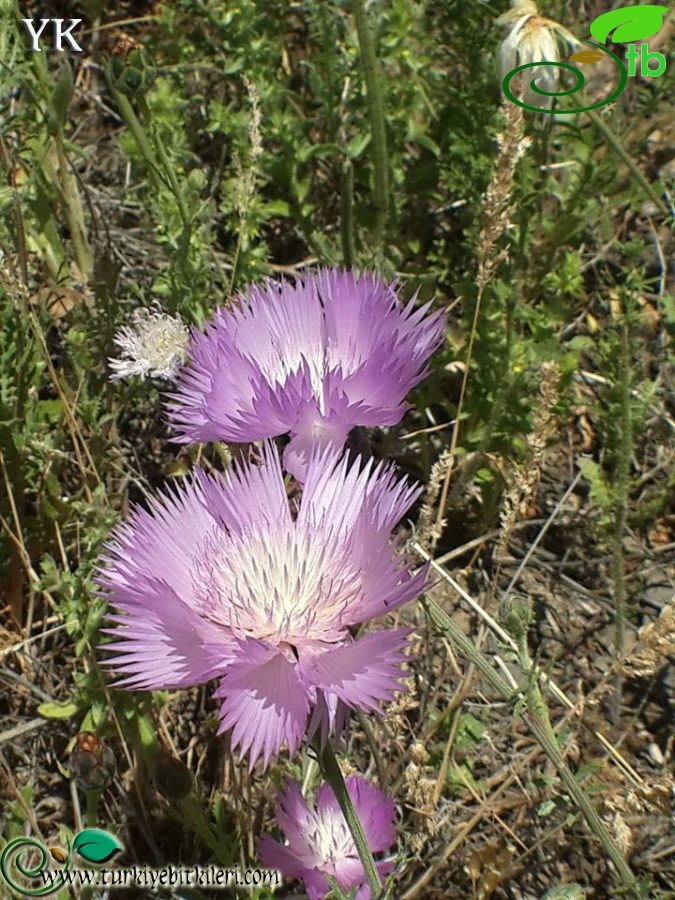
(51, 710)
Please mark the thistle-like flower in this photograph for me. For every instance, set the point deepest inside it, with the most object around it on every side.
(153, 344)
(222, 579)
(532, 39)
(320, 845)
(314, 358)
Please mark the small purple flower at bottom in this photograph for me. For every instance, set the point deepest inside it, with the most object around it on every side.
(320, 846)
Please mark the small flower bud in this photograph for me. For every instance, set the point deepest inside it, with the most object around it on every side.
(91, 762)
(173, 779)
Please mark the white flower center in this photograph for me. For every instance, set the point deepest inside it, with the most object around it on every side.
(330, 838)
(286, 586)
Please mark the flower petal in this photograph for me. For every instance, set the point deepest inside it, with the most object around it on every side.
(274, 855)
(161, 541)
(362, 673)
(264, 703)
(374, 808)
(250, 495)
(160, 644)
(295, 819)
(338, 341)
(362, 503)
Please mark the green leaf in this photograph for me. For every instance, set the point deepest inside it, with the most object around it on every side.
(546, 808)
(320, 151)
(600, 492)
(63, 91)
(565, 892)
(277, 208)
(471, 726)
(96, 845)
(630, 23)
(580, 342)
(94, 717)
(422, 139)
(49, 410)
(485, 475)
(53, 710)
(357, 145)
(147, 735)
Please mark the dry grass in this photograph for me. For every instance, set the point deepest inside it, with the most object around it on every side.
(482, 810)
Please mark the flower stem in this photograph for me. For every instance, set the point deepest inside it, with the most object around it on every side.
(92, 798)
(621, 488)
(372, 77)
(626, 158)
(534, 711)
(333, 775)
(347, 214)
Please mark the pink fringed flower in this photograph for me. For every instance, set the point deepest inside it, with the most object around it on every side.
(319, 841)
(222, 578)
(314, 358)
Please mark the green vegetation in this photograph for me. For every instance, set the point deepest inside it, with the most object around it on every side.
(197, 146)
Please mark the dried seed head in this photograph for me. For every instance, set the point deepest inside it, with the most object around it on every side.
(533, 39)
(418, 753)
(153, 344)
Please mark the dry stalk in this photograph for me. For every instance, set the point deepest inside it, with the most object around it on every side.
(548, 682)
(419, 787)
(497, 218)
(246, 178)
(246, 175)
(430, 528)
(526, 475)
(656, 643)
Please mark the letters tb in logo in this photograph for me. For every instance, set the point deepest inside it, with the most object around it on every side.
(60, 33)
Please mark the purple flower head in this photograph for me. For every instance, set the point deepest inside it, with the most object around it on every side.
(320, 843)
(222, 578)
(313, 358)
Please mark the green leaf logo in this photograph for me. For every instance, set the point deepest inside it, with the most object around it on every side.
(631, 23)
(96, 845)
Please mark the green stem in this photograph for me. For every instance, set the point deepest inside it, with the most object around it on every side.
(331, 771)
(373, 80)
(535, 714)
(621, 485)
(159, 167)
(73, 211)
(126, 110)
(347, 213)
(545, 736)
(173, 183)
(445, 624)
(191, 812)
(92, 798)
(91, 818)
(626, 158)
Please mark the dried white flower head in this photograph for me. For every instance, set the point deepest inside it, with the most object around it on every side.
(532, 39)
(153, 344)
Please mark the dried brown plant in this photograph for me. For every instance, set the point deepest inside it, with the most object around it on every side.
(656, 643)
(526, 475)
(497, 217)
